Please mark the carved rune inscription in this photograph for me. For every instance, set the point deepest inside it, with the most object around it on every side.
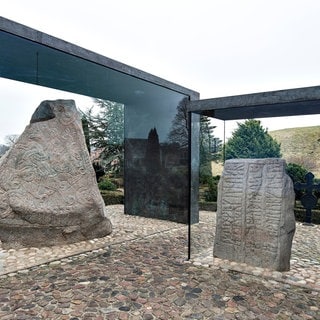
(48, 191)
(255, 219)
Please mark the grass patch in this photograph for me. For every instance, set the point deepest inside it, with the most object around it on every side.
(300, 146)
(112, 197)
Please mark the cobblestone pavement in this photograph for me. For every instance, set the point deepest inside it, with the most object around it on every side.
(140, 272)
(305, 255)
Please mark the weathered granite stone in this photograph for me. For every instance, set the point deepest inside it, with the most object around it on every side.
(48, 191)
(255, 217)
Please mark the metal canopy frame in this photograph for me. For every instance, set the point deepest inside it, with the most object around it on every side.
(68, 67)
(291, 102)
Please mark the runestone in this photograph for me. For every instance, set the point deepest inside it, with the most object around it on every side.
(255, 217)
(48, 190)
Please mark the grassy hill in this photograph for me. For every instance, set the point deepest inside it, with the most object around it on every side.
(301, 146)
(298, 145)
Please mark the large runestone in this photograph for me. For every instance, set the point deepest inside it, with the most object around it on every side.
(255, 217)
(48, 190)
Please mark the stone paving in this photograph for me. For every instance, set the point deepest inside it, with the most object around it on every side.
(140, 272)
(305, 256)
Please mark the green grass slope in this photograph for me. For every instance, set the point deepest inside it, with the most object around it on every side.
(300, 146)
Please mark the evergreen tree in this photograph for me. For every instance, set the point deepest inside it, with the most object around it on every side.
(104, 131)
(210, 148)
(298, 174)
(251, 140)
(216, 149)
(153, 152)
(85, 127)
(179, 129)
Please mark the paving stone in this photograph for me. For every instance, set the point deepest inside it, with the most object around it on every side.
(137, 280)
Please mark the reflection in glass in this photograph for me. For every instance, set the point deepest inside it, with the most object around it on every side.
(210, 156)
(156, 165)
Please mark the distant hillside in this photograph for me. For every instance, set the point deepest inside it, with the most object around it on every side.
(301, 146)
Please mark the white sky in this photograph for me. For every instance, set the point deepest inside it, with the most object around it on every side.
(218, 48)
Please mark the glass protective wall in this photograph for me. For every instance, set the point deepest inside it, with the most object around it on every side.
(156, 164)
(157, 170)
(210, 158)
(297, 136)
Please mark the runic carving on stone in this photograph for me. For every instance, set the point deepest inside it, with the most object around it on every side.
(48, 190)
(255, 218)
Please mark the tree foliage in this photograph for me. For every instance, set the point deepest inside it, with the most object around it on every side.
(210, 148)
(179, 128)
(3, 149)
(212, 193)
(11, 139)
(104, 133)
(251, 140)
(298, 174)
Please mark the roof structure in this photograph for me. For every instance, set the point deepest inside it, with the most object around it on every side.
(292, 102)
(34, 57)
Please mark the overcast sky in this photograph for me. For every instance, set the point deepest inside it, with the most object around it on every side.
(218, 48)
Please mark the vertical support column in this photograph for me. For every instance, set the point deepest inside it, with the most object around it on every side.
(194, 132)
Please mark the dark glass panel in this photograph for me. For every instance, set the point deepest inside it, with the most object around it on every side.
(157, 153)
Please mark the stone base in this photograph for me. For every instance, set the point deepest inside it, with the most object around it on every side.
(17, 236)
